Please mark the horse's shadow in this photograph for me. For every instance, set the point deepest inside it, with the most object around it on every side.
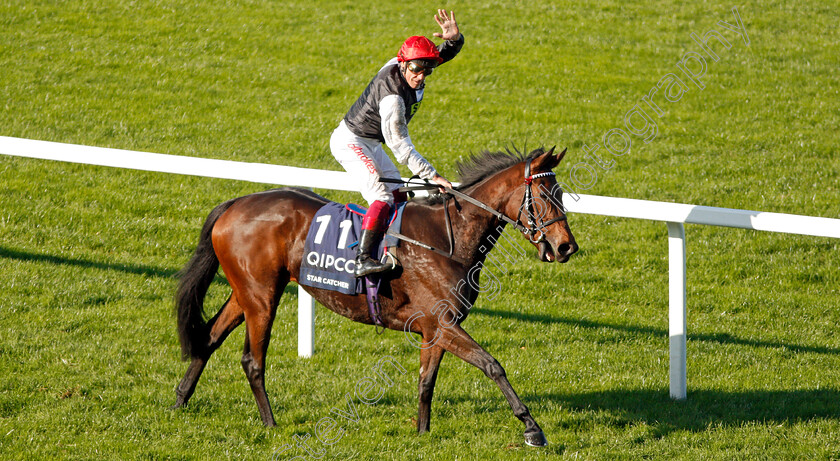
(721, 338)
(136, 269)
(702, 409)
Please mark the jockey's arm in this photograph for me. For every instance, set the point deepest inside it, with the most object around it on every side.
(395, 132)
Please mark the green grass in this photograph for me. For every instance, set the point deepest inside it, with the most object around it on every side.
(88, 351)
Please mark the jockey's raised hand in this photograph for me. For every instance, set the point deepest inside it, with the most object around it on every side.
(448, 26)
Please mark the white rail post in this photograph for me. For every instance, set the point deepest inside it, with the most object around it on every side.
(306, 323)
(676, 309)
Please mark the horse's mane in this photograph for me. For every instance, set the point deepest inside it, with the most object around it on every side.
(479, 166)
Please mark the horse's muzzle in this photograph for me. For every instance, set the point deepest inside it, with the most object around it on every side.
(562, 253)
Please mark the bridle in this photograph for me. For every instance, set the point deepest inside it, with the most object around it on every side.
(528, 198)
(532, 228)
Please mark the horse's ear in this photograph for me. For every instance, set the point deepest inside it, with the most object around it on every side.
(561, 154)
(548, 160)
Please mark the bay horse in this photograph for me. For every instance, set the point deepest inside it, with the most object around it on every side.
(258, 240)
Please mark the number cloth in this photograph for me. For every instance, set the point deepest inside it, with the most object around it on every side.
(329, 256)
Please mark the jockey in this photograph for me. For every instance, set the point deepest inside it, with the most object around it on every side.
(381, 115)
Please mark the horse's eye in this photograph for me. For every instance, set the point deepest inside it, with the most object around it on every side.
(553, 199)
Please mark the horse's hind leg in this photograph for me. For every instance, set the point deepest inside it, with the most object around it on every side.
(220, 326)
(253, 363)
(259, 316)
(457, 341)
(429, 364)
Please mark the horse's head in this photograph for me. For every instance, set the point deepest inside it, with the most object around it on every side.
(522, 191)
(541, 210)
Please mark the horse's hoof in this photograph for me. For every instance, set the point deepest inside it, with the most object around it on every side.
(535, 439)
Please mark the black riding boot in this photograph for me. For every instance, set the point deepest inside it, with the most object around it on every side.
(365, 264)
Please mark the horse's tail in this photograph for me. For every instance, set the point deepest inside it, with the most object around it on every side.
(195, 279)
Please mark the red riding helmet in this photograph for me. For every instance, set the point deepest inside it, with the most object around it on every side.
(418, 47)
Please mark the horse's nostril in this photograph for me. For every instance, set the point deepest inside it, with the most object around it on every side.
(567, 249)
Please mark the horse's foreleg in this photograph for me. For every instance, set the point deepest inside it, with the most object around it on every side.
(458, 342)
(253, 359)
(429, 364)
(220, 326)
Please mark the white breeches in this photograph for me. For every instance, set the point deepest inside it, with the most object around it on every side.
(366, 161)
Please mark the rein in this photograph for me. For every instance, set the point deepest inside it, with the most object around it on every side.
(530, 230)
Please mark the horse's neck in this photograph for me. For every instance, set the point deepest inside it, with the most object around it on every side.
(480, 229)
